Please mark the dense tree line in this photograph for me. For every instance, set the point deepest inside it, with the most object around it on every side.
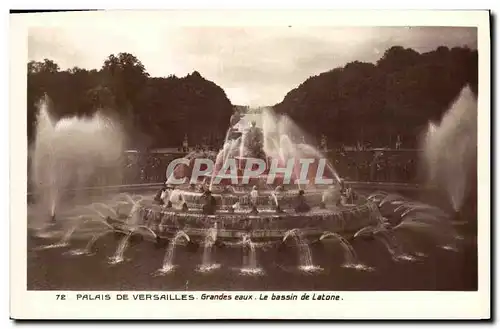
(397, 95)
(156, 112)
(359, 102)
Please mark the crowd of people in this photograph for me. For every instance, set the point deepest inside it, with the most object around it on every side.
(143, 168)
(362, 166)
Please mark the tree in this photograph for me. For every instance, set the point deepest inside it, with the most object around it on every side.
(125, 75)
(156, 112)
(397, 57)
(397, 96)
(47, 66)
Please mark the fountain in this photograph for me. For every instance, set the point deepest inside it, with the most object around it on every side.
(245, 197)
(79, 221)
(450, 148)
(122, 246)
(246, 190)
(304, 252)
(250, 266)
(88, 247)
(207, 264)
(168, 265)
(393, 246)
(350, 257)
(70, 154)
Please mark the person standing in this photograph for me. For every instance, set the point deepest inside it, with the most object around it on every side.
(254, 196)
(301, 203)
(185, 144)
(165, 197)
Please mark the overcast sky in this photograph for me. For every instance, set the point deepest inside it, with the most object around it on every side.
(255, 66)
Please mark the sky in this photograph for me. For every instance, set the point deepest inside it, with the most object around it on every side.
(255, 66)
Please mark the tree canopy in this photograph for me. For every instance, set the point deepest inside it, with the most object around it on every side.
(398, 95)
(156, 112)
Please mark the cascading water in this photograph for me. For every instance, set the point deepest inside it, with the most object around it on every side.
(118, 256)
(79, 220)
(391, 198)
(87, 250)
(450, 148)
(280, 146)
(168, 265)
(279, 135)
(207, 264)
(393, 246)
(70, 153)
(134, 217)
(350, 257)
(279, 142)
(250, 266)
(437, 228)
(305, 256)
(107, 207)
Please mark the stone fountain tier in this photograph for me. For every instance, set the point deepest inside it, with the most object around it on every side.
(238, 183)
(267, 225)
(232, 195)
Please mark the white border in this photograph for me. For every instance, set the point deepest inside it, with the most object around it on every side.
(356, 305)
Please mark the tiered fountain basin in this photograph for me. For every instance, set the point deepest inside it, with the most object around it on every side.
(234, 224)
(380, 218)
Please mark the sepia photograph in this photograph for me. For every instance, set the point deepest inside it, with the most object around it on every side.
(224, 157)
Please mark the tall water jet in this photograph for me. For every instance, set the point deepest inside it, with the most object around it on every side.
(280, 141)
(305, 256)
(169, 255)
(70, 153)
(450, 148)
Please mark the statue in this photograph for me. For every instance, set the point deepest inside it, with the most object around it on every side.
(398, 143)
(331, 196)
(300, 203)
(348, 196)
(254, 195)
(254, 142)
(165, 197)
(323, 143)
(185, 145)
(275, 199)
(209, 204)
(162, 197)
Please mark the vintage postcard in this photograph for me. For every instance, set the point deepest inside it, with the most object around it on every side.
(250, 165)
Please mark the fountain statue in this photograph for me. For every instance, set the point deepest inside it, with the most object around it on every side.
(261, 185)
(254, 142)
